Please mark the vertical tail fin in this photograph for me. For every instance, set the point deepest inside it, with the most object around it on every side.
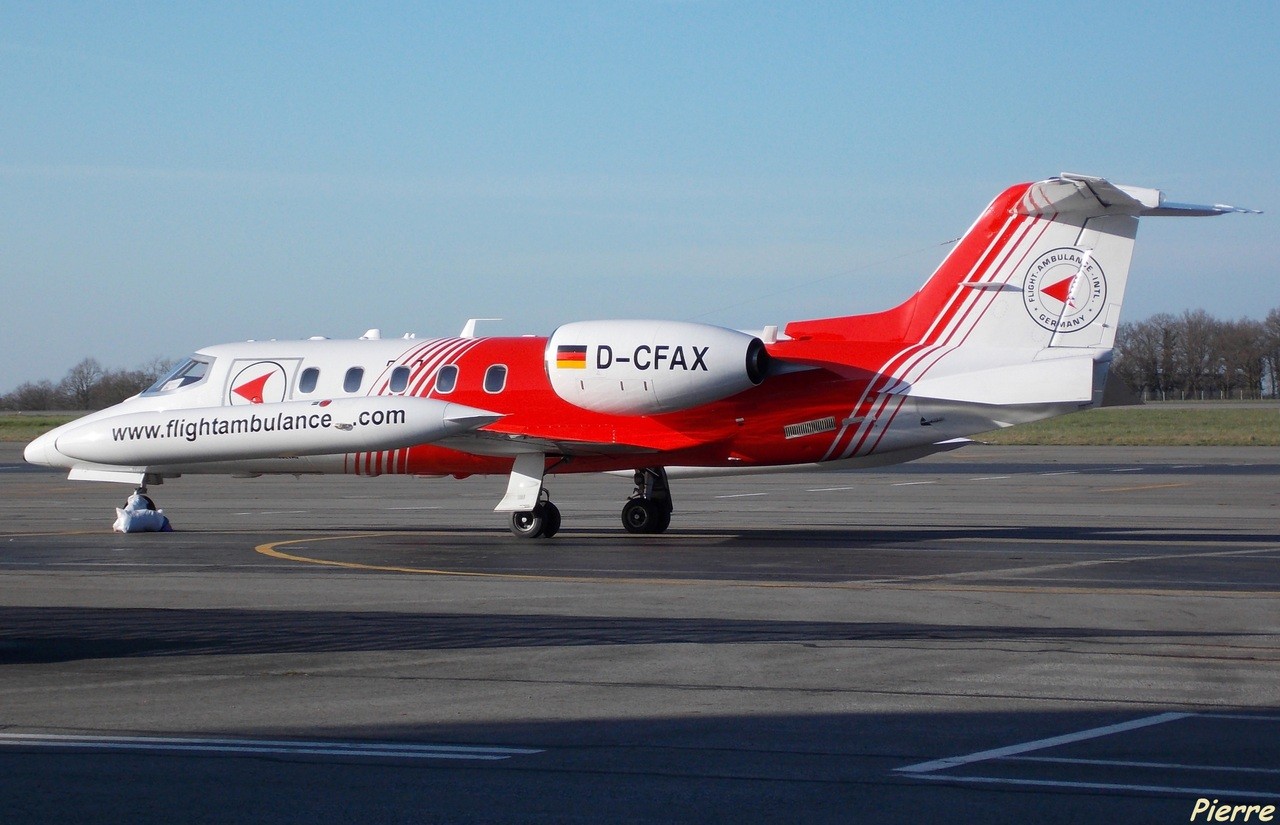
(1017, 323)
(1044, 266)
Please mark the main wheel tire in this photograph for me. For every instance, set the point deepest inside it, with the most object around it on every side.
(641, 515)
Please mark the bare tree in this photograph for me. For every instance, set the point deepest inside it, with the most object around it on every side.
(34, 396)
(80, 381)
(87, 385)
(1196, 362)
(1146, 353)
(1195, 355)
(1271, 348)
(1241, 356)
(117, 385)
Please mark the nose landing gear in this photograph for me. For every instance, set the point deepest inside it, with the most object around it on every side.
(543, 521)
(144, 500)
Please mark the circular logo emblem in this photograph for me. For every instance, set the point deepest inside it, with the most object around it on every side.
(260, 383)
(1065, 289)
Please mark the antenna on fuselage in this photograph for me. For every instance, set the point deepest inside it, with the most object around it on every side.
(469, 328)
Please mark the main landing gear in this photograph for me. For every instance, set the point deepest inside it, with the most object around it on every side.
(648, 509)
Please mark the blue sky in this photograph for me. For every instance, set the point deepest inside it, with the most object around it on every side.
(180, 174)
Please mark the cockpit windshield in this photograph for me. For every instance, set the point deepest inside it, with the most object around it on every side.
(192, 370)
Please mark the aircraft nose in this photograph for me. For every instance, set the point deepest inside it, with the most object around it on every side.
(42, 451)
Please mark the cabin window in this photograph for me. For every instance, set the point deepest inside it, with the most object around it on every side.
(351, 383)
(190, 371)
(447, 379)
(399, 379)
(495, 378)
(307, 381)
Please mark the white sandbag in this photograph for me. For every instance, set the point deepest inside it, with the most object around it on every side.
(141, 520)
(137, 501)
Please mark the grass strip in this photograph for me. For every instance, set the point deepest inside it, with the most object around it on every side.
(1150, 426)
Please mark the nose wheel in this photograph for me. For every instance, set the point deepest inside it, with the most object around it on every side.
(141, 492)
(648, 509)
(542, 522)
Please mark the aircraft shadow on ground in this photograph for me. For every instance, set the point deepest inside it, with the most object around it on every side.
(823, 767)
(809, 535)
(55, 634)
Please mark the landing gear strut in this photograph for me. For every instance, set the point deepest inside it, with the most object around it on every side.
(648, 509)
(141, 492)
(543, 521)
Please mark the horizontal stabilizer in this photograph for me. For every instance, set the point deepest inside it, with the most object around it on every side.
(1080, 194)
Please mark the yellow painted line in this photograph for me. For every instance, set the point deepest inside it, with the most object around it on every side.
(927, 583)
(1144, 487)
(270, 549)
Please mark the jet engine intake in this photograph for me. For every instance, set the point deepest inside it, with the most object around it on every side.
(651, 367)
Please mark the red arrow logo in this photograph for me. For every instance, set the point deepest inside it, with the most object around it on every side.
(1061, 291)
(252, 390)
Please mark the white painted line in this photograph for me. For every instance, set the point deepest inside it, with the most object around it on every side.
(1122, 763)
(1102, 786)
(263, 746)
(989, 478)
(743, 495)
(1185, 466)
(1239, 717)
(831, 489)
(422, 507)
(1041, 744)
(1130, 470)
(1062, 473)
(911, 483)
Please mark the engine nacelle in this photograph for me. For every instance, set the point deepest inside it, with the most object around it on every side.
(650, 367)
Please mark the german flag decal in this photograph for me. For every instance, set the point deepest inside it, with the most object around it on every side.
(572, 357)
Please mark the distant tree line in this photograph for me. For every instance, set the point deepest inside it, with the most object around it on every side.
(86, 386)
(1197, 356)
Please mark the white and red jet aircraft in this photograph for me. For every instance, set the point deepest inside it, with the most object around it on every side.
(1017, 324)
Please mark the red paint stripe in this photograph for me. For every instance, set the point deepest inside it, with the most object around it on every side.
(1007, 238)
(449, 350)
(403, 360)
(448, 355)
(981, 263)
(943, 350)
(936, 349)
(902, 360)
(430, 361)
